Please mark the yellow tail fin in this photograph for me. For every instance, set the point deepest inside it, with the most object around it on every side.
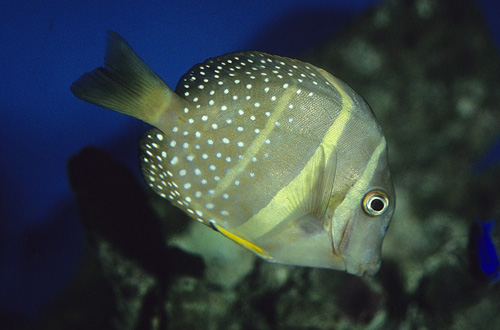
(126, 84)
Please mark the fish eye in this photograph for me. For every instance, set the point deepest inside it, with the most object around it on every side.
(375, 202)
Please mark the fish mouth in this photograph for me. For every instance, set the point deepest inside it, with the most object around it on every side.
(370, 268)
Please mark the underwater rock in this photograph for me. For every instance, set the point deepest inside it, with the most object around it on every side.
(128, 237)
(429, 70)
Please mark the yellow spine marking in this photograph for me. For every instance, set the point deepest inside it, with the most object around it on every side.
(254, 148)
(246, 244)
(278, 208)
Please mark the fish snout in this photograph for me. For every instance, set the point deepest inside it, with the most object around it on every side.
(370, 268)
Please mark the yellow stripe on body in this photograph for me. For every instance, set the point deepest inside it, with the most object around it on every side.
(279, 207)
(259, 141)
(241, 241)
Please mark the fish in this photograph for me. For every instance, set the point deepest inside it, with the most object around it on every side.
(274, 153)
(485, 260)
(488, 160)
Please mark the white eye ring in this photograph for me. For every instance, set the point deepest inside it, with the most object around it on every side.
(375, 202)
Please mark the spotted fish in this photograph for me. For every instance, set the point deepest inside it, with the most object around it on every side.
(274, 153)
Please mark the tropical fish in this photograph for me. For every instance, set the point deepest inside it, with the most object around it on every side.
(489, 159)
(485, 256)
(274, 153)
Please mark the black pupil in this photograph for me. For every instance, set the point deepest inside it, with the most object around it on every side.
(377, 204)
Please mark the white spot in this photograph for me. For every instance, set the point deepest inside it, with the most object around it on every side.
(228, 159)
(209, 206)
(211, 102)
(188, 199)
(252, 117)
(254, 159)
(225, 140)
(212, 167)
(251, 174)
(237, 182)
(290, 106)
(190, 120)
(185, 145)
(187, 185)
(268, 114)
(249, 86)
(210, 142)
(197, 171)
(182, 172)
(204, 118)
(159, 137)
(163, 154)
(229, 121)
(256, 104)
(225, 196)
(273, 98)
(197, 194)
(214, 126)
(218, 155)
(189, 158)
(268, 141)
(239, 129)
(241, 112)
(226, 91)
(216, 178)
(174, 160)
(240, 144)
(175, 129)
(223, 108)
(285, 85)
(224, 212)
(201, 86)
(204, 156)
(197, 134)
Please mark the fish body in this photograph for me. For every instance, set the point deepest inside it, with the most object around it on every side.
(487, 256)
(489, 159)
(274, 153)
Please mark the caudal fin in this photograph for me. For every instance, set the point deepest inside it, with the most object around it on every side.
(125, 84)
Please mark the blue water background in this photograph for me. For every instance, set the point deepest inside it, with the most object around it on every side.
(44, 46)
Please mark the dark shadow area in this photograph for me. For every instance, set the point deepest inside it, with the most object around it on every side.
(299, 31)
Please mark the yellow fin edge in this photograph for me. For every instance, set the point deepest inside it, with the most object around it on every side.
(243, 242)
